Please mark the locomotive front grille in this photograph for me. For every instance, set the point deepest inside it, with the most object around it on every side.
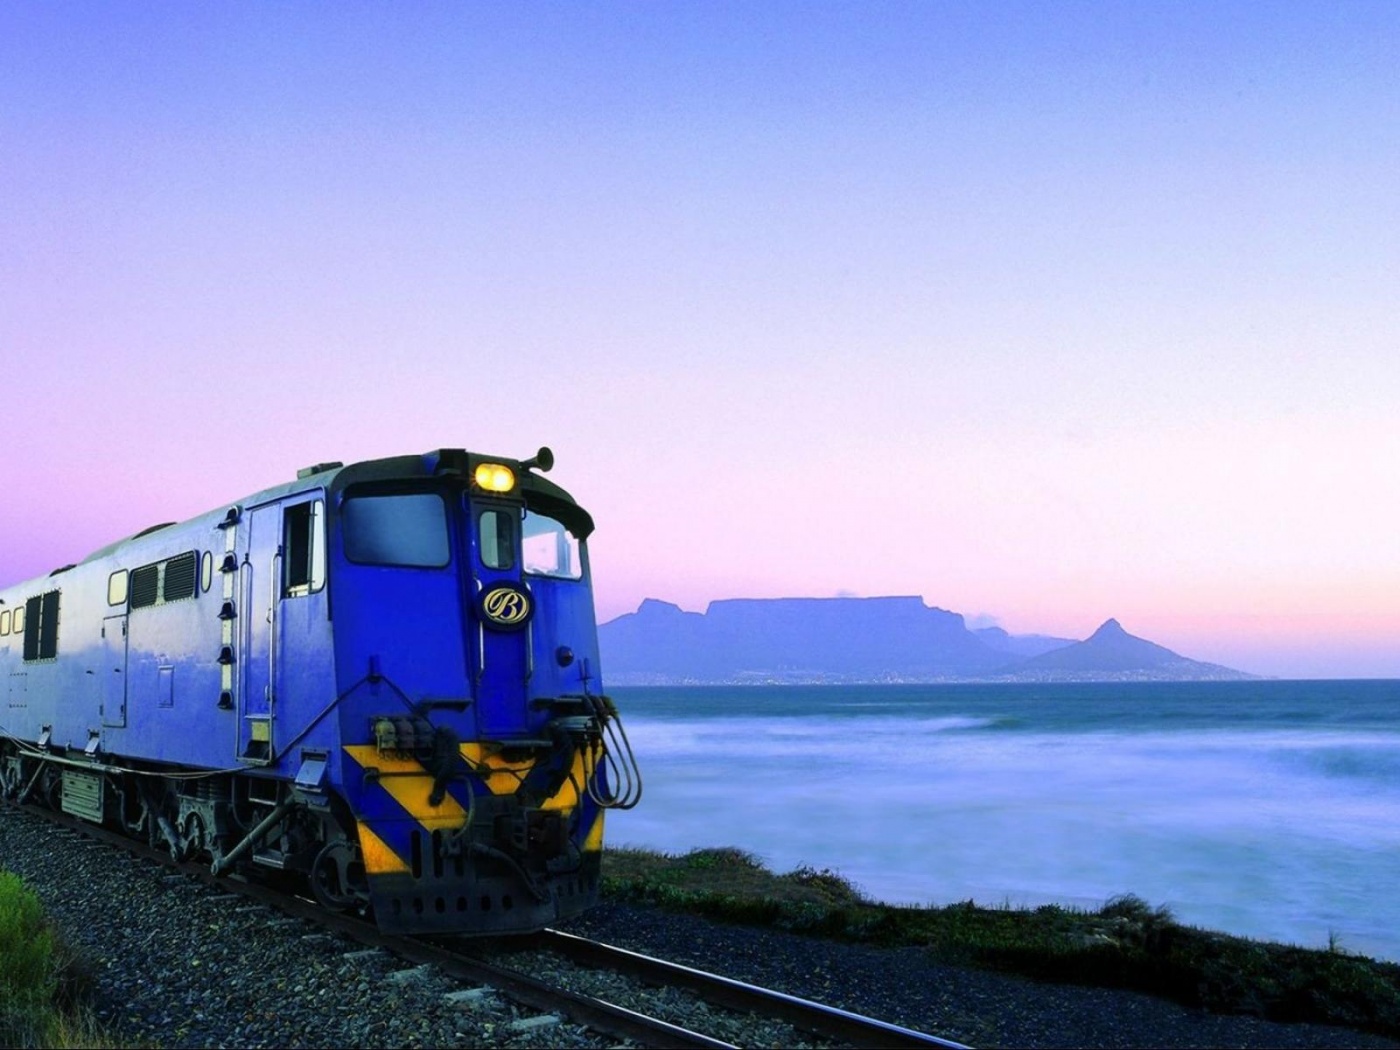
(440, 889)
(501, 839)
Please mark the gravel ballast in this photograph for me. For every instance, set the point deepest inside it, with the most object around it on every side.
(977, 1007)
(174, 964)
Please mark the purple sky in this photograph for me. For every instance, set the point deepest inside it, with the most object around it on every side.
(1049, 313)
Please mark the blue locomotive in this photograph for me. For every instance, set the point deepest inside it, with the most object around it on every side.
(380, 679)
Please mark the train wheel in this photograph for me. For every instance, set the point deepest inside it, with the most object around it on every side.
(135, 815)
(337, 876)
(193, 836)
(11, 776)
(51, 787)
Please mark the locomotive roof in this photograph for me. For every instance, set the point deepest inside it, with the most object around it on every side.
(539, 492)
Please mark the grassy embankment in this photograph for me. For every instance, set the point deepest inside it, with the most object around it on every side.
(1125, 944)
(38, 978)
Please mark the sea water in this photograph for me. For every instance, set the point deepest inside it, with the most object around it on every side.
(1268, 809)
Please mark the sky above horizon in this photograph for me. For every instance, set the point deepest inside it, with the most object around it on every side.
(1045, 312)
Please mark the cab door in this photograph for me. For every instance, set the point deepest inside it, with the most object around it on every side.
(257, 602)
(113, 671)
(502, 611)
(282, 579)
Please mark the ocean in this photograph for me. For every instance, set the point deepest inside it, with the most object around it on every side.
(1268, 809)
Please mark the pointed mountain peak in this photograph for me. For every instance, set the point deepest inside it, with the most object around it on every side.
(1109, 629)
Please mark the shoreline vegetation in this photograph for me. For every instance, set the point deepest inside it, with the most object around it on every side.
(1126, 944)
(42, 985)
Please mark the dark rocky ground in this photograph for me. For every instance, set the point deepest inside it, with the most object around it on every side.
(173, 964)
(970, 1006)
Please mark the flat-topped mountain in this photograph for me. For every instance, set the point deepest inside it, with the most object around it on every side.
(894, 639)
(794, 638)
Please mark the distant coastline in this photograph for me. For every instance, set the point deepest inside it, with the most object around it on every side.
(869, 641)
(777, 678)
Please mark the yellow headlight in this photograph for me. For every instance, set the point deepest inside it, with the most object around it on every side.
(494, 477)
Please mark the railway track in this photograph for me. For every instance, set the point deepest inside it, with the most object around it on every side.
(818, 1019)
(476, 966)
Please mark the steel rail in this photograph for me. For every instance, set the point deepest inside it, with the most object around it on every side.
(804, 1014)
(584, 1010)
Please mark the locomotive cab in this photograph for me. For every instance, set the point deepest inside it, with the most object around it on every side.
(473, 734)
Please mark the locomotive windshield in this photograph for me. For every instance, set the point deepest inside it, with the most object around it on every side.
(408, 529)
(548, 548)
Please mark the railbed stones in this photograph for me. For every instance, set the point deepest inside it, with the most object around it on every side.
(976, 1007)
(174, 966)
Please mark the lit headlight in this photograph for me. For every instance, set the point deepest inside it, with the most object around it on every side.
(494, 477)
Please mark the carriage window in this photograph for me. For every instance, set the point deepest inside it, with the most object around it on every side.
(145, 586)
(160, 582)
(179, 578)
(408, 530)
(304, 548)
(549, 549)
(497, 539)
(41, 627)
(5, 622)
(48, 626)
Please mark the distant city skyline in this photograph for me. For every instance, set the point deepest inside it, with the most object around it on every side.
(1052, 313)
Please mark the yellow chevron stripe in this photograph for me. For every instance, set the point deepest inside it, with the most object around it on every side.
(567, 795)
(504, 777)
(411, 784)
(594, 842)
(379, 858)
(410, 787)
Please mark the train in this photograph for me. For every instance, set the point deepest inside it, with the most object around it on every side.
(379, 682)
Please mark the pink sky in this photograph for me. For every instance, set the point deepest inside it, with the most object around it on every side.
(1049, 315)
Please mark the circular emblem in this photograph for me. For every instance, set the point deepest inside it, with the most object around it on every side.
(506, 606)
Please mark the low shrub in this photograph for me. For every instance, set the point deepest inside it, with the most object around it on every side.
(41, 981)
(28, 972)
(1125, 944)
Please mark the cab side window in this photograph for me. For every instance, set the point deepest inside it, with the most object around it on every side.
(41, 627)
(303, 548)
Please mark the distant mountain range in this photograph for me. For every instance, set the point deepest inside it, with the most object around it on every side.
(898, 639)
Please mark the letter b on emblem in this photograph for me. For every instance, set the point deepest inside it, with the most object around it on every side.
(506, 607)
